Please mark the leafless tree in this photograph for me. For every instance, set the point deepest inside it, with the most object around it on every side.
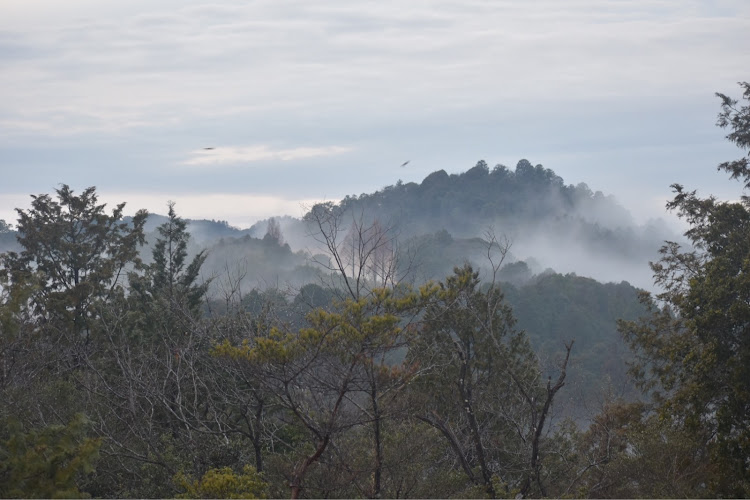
(363, 254)
(273, 231)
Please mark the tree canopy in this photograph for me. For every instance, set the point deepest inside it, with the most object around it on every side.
(124, 372)
(695, 347)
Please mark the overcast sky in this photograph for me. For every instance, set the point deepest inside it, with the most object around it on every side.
(304, 100)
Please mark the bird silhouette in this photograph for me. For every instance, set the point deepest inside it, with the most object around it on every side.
(405, 163)
(208, 149)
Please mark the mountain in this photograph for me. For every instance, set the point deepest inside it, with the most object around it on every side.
(575, 258)
(549, 224)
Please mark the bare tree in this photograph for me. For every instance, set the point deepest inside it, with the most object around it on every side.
(273, 232)
(363, 254)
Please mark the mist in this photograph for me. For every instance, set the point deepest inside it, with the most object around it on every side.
(441, 223)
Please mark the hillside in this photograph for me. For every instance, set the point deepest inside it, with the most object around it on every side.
(564, 227)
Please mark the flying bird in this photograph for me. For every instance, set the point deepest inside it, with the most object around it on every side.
(208, 149)
(405, 163)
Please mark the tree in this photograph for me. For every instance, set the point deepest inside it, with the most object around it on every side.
(273, 232)
(365, 265)
(76, 253)
(481, 388)
(362, 259)
(46, 463)
(738, 120)
(695, 345)
(149, 386)
(242, 403)
(73, 260)
(170, 280)
(322, 375)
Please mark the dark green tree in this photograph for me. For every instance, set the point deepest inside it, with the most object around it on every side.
(76, 253)
(72, 260)
(170, 278)
(695, 346)
(46, 463)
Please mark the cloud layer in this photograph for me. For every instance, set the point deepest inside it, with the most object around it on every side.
(238, 155)
(159, 66)
(329, 98)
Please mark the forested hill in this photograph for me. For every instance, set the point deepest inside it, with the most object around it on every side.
(463, 203)
(551, 224)
(564, 227)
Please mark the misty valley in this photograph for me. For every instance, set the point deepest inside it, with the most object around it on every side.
(493, 333)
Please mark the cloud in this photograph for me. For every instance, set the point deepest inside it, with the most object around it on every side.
(234, 155)
(240, 210)
(11, 201)
(118, 93)
(155, 65)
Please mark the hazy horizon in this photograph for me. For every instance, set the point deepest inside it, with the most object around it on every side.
(239, 112)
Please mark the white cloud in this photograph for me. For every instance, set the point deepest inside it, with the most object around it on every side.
(240, 210)
(11, 201)
(155, 65)
(111, 93)
(233, 155)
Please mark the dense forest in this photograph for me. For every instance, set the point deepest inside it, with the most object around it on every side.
(425, 340)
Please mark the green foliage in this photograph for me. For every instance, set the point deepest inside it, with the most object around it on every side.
(481, 387)
(695, 346)
(628, 452)
(738, 121)
(46, 463)
(74, 251)
(223, 483)
(553, 306)
(169, 279)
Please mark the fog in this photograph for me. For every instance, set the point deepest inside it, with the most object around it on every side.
(438, 224)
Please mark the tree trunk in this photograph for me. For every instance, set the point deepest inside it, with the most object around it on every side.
(299, 474)
(378, 443)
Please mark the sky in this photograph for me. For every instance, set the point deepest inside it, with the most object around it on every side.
(306, 101)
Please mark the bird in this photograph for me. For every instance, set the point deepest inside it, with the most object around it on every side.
(208, 149)
(405, 163)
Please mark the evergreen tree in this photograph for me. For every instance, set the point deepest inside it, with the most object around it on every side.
(695, 346)
(46, 463)
(170, 286)
(77, 255)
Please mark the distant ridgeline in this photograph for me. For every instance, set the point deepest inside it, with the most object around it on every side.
(564, 227)
(550, 224)
(554, 228)
(464, 204)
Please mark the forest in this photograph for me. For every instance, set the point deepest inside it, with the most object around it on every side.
(424, 341)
